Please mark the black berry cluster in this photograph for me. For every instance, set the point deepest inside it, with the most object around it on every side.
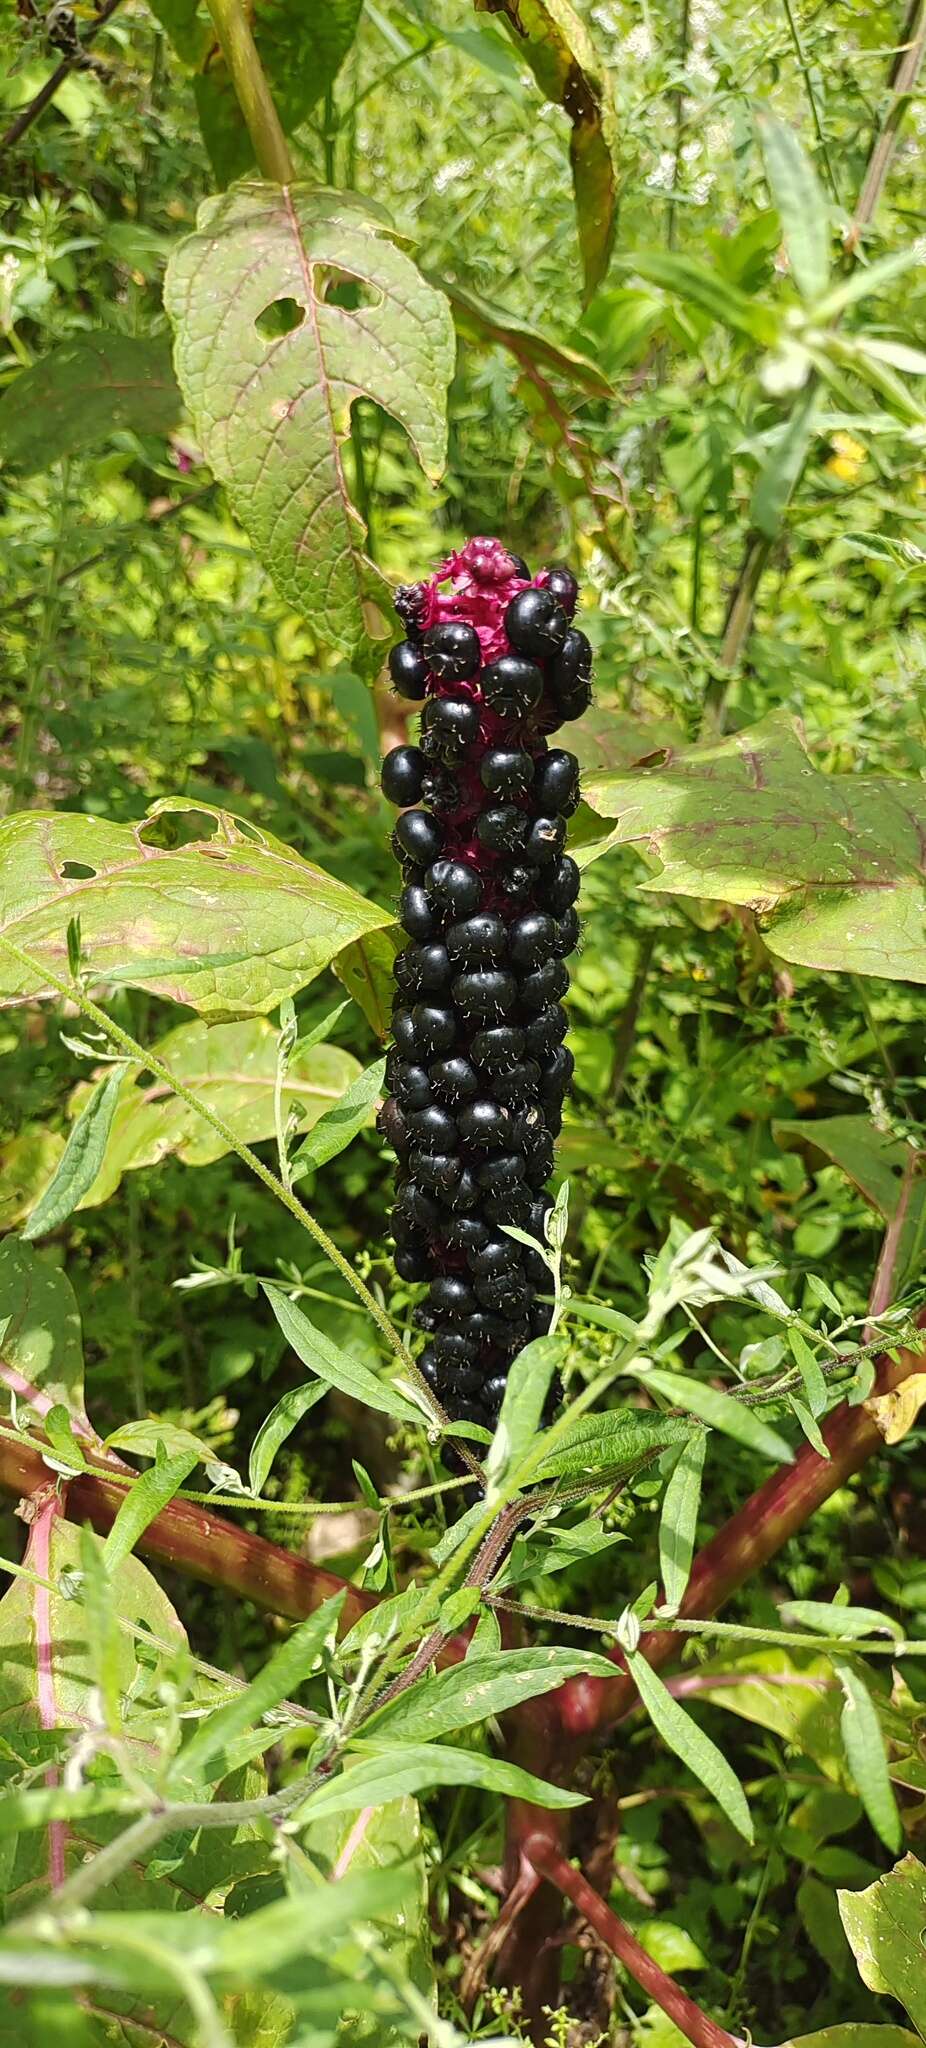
(478, 1071)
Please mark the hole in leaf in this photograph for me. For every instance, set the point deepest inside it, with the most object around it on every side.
(338, 289)
(172, 830)
(76, 871)
(280, 317)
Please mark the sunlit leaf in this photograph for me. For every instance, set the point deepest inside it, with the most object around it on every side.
(689, 1742)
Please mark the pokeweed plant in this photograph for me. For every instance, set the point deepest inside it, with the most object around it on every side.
(199, 1859)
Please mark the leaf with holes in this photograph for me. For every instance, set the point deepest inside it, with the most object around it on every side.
(229, 923)
(84, 391)
(289, 305)
(555, 42)
(832, 865)
(232, 1068)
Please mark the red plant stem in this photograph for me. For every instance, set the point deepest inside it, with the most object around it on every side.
(702, 2031)
(754, 1535)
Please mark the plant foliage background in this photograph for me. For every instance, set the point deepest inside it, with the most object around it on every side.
(639, 287)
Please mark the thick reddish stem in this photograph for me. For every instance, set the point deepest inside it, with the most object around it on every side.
(702, 2031)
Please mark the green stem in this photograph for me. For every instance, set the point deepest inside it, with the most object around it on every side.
(290, 1201)
(801, 55)
(252, 92)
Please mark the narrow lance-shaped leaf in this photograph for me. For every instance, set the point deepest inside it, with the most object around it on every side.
(554, 41)
(336, 1367)
(340, 1124)
(272, 410)
(801, 204)
(81, 1159)
(411, 1768)
(679, 1520)
(283, 1671)
(684, 1737)
(867, 1757)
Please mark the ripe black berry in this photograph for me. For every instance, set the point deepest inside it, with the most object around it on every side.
(427, 966)
(497, 1048)
(496, 1255)
(418, 1207)
(453, 1080)
(546, 1031)
(433, 1128)
(438, 1171)
(506, 1294)
(477, 940)
(531, 939)
(484, 992)
(571, 699)
(415, 914)
(501, 1173)
(512, 686)
(535, 623)
(556, 1075)
(419, 836)
(517, 881)
(449, 726)
(544, 985)
(464, 1196)
(412, 1262)
(405, 1034)
(483, 1125)
(409, 670)
(562, 585)
(506, 772)
(518, 1083)
(567, 932)
(439, 790)
(402, 773)
(502, 828)
(435, 1027)
(464, 1233)
(573, 660)
(545, 841)
(452, 651)
(452, 1296)
(556, 782)
(561, 885)
(455, 886)
(410, 1084)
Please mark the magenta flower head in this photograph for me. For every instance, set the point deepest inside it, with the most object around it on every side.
(478, 1071)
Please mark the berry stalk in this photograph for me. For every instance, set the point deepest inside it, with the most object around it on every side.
(478, 1071)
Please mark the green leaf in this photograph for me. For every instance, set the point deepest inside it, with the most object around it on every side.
(231, 1068)
(283, 1672)
(279, 1425)
(145, 1499)
(233, 921)
(876, 1163)
(811, 1374)
(832, 865)
(719, 1411)
(613, 1443)
(801, 203)
(829, 1618)
(413, 1769)
(698, 284)
(522, 1408)
(42, 1354)
(478, 321)
(553, 40)
(783, 465)
(683, 1736)
(87, 389)
(81, 1159)
(866, 1756)
(334, 1131)
(335, 1367)
(367, 970)
(866, 279)
(884, 1925)
(470, 1692)
(679, 1520)
(855, 2034)
(272, 411)
(808, 1423)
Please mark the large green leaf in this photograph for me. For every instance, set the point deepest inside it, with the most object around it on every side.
(86, 389)
(232, 1069)
(875, 1162)
(301, 47)
(885, 1925)
(41, 1353)
(272, 410)
(229, 923)
(831, 864)
(554, 41)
